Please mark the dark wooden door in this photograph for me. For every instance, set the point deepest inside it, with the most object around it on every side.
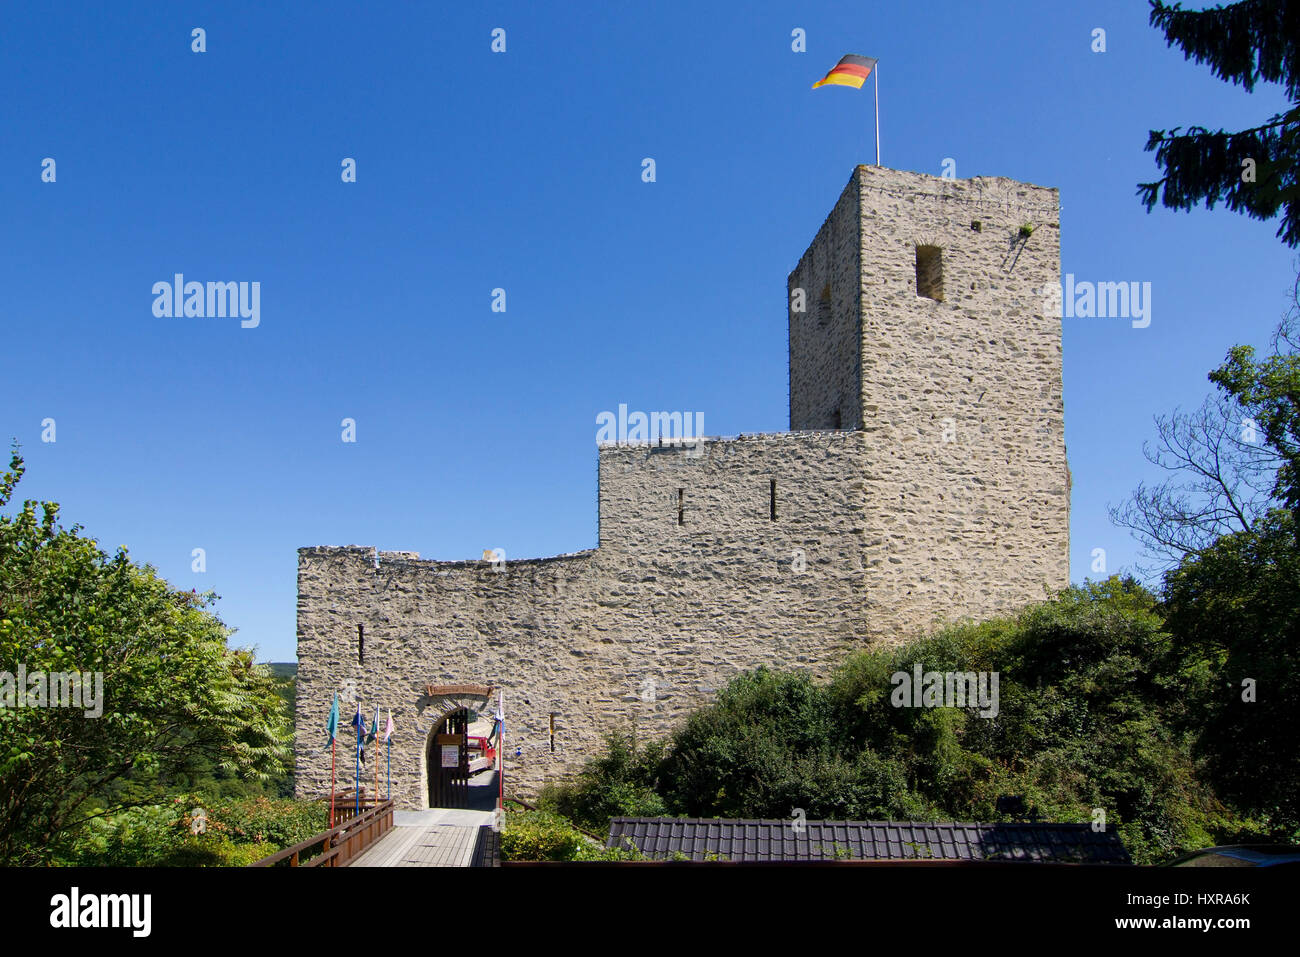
(448, 762)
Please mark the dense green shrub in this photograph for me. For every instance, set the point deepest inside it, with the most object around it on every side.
(772, 743)
(1086, 691)
(1235, 610)
(139, 837)
(544, 836)
(217, 852)
(280, 822)
(618, 783)
(1091, 718)
(234, 833)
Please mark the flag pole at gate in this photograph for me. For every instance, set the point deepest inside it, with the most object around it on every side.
(388, 739)
(501, 742)
(332, 724)
(356, 778)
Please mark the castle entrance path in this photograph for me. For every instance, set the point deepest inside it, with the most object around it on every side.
(438, 837)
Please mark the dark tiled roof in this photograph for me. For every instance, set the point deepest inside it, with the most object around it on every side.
(701, 839)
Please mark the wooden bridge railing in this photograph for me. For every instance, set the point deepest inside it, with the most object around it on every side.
(346, 802)
(336, 847)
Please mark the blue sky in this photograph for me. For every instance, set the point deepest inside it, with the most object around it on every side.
(522, 170)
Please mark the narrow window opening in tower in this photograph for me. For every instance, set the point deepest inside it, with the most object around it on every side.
(929, 272)
(681, 506)
(837, 420)
(772, 500)
(361, 644)
(824, 306)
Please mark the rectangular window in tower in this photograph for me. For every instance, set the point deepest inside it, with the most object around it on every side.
(837, 422)
(929, 272)
(772, 500)
(681, 506)
(361, 644)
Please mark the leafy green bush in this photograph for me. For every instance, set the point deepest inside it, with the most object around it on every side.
(1234, 609)
(234, 833)
(1092, 700)
(276, 821)
(140, 837)
(545, 836)
(618, 783)
(774, 742)
(1086, 694)
(540, 836)
(217, 852)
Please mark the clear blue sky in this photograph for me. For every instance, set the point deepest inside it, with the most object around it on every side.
(522, 170)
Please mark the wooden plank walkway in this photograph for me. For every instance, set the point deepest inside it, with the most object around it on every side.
(436, 838)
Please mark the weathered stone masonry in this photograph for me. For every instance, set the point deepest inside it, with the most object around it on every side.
(926, 481)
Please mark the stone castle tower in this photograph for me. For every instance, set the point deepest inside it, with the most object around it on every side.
(924, 480)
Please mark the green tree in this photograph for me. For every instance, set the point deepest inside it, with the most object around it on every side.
(1253, 171)
(618, 783)
(1235, 610)
(173, 692)
(1090, 693)
(1269, 389)
(1232, 594)
(1086, 685)
(1220, 480)
(1230, 462)
(760, 750)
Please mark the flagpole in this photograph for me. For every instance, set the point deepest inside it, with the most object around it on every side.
(356, 778)
(332, 725)
(876, 74)
(501, 743)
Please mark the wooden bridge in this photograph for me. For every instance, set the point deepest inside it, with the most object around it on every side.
(381, 836)
(439, 837)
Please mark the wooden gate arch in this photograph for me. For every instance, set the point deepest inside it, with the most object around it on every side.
(447, 710)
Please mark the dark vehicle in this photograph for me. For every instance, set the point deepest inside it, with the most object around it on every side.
(1240, 855)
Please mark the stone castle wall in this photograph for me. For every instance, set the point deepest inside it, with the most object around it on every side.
(631, 635)
(945, 494)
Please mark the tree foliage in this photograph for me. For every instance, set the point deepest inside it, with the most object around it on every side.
(1254, 171)
(1230, 462)
(1221, 480)
(173, 692)
(1269, 388)
(235, 832)
(618, 783)
(1236, 611)
(1226, 521)
(1094, 698)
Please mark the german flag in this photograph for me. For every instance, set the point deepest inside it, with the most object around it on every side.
(850, 71)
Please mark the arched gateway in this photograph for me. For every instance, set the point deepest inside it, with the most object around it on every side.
(446, 711)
